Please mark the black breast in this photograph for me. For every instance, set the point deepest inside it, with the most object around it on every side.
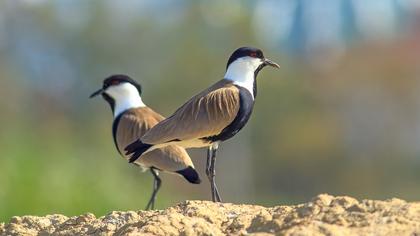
(246, 102)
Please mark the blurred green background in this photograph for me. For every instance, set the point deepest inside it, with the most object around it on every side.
(341, 116)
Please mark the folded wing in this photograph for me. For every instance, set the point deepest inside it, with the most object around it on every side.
(204, 115)
(133, 124)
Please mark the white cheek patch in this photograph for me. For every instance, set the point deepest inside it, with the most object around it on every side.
(121, 90)
(241, 72)
(126, 96)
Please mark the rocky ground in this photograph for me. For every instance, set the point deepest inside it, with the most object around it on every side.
(324, 215)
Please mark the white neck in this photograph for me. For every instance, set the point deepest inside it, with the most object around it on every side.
(122, 105)
(126, 96)
(241, 72)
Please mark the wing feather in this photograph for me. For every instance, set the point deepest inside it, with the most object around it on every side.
(204, 115)
(134, 124)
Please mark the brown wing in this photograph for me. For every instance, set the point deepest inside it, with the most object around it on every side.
(133, 124)
(204, 115)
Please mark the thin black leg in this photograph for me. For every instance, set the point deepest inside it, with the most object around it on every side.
(209, 154)
(216, 191)
(157, 182)
(211, 173)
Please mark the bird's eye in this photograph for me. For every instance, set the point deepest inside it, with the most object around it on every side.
(115, 82)
(253, 54)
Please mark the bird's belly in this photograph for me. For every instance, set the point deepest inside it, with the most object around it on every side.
(139, 163)
(192, 143)
(143, 168)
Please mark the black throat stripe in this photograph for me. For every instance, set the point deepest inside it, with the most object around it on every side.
(110, 101)
(115, 124)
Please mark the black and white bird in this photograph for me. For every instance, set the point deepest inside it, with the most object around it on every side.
(132, 119)
(212, 116)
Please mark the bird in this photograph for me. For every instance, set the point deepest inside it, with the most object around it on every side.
(212, 116)
(132, 118)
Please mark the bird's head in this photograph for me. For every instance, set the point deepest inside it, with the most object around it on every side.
(248, 59)
(121, 92)
(243, 67)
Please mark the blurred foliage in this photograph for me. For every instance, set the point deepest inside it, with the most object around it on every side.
(343, 122)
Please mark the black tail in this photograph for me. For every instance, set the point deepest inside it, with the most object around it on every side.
(190, 174)
(136, 149)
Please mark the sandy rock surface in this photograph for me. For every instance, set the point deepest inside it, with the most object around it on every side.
(324, 215)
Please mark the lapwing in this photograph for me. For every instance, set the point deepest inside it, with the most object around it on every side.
(213, 115)
(132, 119)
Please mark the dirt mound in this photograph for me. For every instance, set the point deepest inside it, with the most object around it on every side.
(324, 215)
